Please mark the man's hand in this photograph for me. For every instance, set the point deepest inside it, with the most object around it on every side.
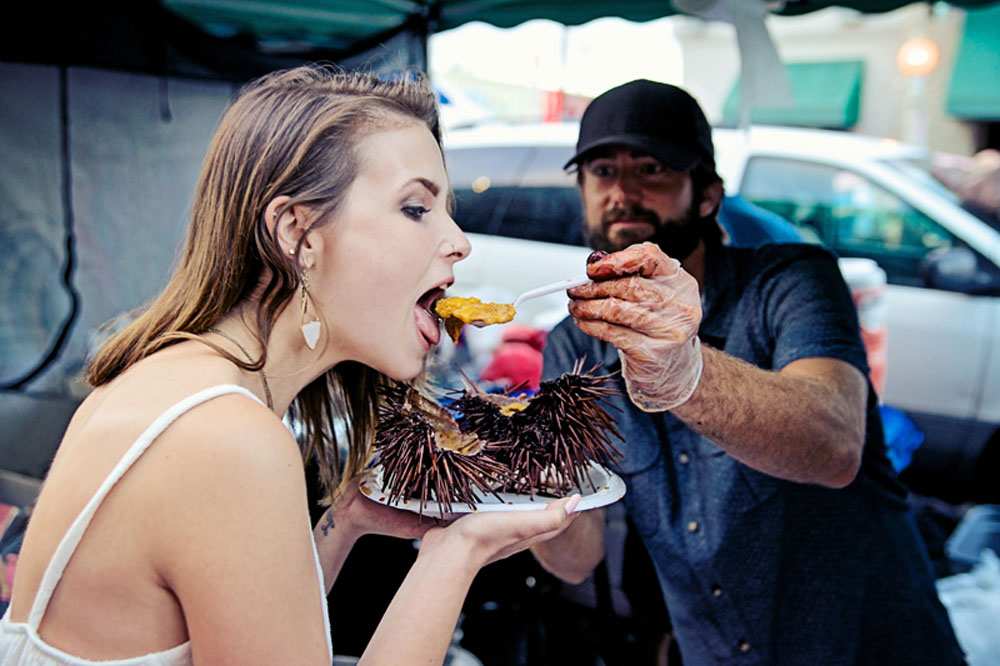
(649, 308)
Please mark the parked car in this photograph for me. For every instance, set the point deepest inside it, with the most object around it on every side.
(862, 197)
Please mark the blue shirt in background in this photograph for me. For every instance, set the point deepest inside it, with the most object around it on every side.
(750, 226)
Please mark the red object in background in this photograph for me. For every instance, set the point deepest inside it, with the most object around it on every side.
(875, 342)
(518, 358)
(558, 106)
(555, 101)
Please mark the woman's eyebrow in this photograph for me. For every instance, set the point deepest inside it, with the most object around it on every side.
(435, 189)
(431, 186)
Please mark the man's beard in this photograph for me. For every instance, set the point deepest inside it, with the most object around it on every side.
(677, 238)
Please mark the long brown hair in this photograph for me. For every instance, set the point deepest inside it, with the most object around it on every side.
(289, 133)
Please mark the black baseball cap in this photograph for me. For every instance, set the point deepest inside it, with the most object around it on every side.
(655, 118)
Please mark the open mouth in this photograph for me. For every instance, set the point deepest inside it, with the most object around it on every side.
(430, 297)
(428, 322)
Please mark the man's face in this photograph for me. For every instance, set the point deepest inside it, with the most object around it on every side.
(630, 197)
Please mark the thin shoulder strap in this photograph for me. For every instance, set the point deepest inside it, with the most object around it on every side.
(69, 543)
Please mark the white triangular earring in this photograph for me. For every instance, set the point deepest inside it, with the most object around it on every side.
(311, 327)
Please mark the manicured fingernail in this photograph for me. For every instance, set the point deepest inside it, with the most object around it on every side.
(572, 504)
(596, 256)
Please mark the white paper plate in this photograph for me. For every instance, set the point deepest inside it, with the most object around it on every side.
(610, 489)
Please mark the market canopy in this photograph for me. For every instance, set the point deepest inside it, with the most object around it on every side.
(338, 23)
(825, 94)
(970, 95)
(239, 40)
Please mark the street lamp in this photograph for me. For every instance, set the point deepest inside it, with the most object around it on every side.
(916, 59)
(918, 56)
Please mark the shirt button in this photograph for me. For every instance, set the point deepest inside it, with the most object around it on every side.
(684, 458)
(716, 591)
(693, 526)
(744, 647)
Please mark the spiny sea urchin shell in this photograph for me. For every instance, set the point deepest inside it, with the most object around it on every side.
(540, 445)
(424, 455)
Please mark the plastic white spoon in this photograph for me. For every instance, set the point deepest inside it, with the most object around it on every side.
(552, 288)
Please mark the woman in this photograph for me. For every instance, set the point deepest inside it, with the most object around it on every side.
(320, 236)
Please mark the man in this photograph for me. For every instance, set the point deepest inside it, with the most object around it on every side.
(754, 456)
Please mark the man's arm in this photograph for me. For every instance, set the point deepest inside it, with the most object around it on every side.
(805, 423)
(573, 555)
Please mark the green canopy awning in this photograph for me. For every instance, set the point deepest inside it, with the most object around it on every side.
(974, 93)
(339, 23)
(237, 40)
(826, 94)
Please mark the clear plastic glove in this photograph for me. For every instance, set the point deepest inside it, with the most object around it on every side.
(649, 308)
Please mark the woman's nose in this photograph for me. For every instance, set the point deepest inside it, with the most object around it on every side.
(456, 245)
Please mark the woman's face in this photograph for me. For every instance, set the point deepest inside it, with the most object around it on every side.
(389, 252)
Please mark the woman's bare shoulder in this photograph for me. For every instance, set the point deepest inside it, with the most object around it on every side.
(230, 431)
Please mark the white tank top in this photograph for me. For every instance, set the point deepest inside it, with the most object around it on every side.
(20, 644)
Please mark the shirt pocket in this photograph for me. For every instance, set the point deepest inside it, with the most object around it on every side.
(640, 445)
(742, 487)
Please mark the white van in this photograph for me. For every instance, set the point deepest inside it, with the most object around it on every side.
(859, 196)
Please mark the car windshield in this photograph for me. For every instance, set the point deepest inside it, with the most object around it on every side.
(918, 171)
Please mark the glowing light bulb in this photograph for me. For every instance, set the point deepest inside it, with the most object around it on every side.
(918, 56)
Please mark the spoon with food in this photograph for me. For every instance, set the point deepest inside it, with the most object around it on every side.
(457, 311)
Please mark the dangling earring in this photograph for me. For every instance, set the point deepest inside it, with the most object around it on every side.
(310, 327)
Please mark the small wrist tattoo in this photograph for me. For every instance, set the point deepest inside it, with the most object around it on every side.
(327, 524)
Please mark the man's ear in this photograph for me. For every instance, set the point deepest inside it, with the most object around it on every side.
(710, 199)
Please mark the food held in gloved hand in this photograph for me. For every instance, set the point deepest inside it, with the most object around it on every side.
(457, 312)
(646, 305)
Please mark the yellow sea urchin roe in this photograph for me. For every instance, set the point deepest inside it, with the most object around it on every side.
(470, 310)
(513, 408)
(458, 310)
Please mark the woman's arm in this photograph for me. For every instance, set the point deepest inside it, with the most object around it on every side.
(333, 543)
(353, 516)
(418, 626)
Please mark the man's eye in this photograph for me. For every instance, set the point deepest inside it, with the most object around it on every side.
(602, 171)
(649, 169)
(415, 213)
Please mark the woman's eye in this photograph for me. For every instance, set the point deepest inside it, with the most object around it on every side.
(415, 213)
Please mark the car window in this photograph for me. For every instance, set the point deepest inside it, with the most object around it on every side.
(548, 214)
(516, 192)
(847, 212)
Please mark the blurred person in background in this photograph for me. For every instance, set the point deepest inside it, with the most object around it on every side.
(754, 456)
(517, 360)
(173, 525)
(975, 180)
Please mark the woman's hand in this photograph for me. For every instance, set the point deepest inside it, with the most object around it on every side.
(486, 537)
(357, 515)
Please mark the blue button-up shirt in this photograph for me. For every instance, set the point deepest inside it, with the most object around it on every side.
(756, 569)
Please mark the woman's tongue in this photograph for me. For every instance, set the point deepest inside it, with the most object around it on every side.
(427, 324)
